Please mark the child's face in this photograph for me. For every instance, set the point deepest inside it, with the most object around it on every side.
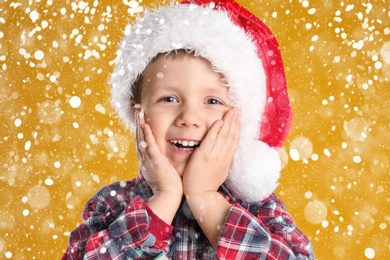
(181, 99)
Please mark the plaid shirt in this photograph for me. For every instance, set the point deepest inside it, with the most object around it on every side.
(119, 225)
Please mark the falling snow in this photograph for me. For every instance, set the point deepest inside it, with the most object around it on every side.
(75, 101)
(61, 140)
(160, 75)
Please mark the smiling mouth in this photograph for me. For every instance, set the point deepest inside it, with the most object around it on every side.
(184, 144)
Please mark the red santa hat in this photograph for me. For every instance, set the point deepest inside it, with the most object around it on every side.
(245, 51)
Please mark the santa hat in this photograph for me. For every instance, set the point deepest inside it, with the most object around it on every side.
(244, 50)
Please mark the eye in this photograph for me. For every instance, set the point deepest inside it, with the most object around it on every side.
(214, 101)
(170, 99)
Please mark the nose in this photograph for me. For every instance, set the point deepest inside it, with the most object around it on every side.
(189, 116)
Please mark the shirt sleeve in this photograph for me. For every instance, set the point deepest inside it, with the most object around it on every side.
(134, 232)
(269, 234)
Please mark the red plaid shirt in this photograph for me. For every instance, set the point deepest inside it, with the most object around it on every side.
(119, 225)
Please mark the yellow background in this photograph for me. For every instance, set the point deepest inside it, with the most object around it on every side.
(61, 141)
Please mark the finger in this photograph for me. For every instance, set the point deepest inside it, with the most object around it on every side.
(150, 144)
(211, 136)
(234, 137)
(139, 137)
(142, 143)
(147, 144)
(227, 135)
(139, 121)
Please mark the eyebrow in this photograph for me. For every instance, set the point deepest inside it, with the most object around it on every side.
(217, 89)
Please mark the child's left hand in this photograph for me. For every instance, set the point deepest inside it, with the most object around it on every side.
(209, 165)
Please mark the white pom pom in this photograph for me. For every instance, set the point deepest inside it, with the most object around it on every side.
(255, 171)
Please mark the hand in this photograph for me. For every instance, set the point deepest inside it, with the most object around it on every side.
(158, 172)
(209, 165)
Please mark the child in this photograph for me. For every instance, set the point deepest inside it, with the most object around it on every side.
(202, 86)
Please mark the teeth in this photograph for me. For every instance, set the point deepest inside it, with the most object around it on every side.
(185, 143)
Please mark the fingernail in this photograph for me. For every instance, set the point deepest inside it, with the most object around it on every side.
(235, 112)
(232, 112)
(137, 106)
(141, 114)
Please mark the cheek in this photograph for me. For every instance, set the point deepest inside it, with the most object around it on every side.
(216, 115)
(152, 116)
(157, 122)
(149, 114)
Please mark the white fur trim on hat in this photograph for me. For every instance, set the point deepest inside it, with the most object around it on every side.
(212, 35)
(255, 171)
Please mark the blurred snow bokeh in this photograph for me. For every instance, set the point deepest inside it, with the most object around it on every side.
(61, 141)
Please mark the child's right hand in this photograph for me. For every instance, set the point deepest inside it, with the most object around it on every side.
(158, 172)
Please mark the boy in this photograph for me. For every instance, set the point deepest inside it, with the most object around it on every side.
(202, 86)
